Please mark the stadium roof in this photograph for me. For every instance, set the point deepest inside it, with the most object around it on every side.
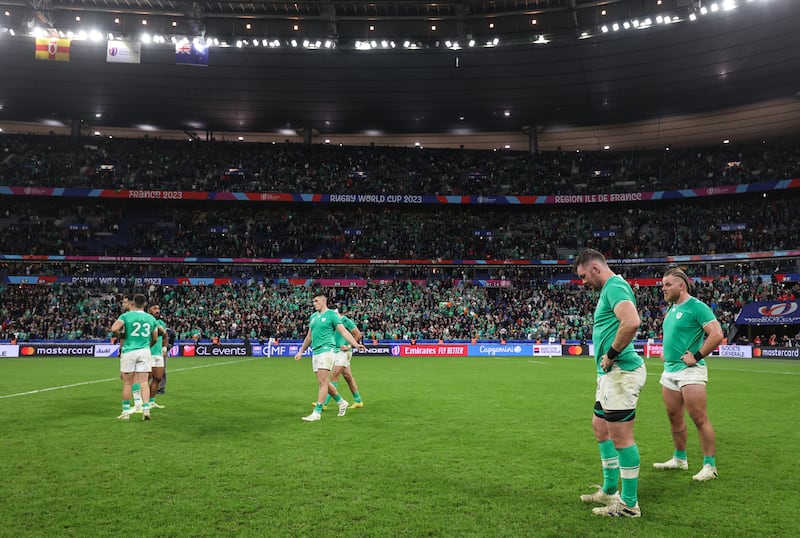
(673, 72)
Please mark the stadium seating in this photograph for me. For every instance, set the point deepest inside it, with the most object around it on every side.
(402, 301)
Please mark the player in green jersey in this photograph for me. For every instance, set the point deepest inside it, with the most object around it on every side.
(322, 326)
(621, 374)
(691, 332)
(158, 355)
(341, 365)
(138, 328)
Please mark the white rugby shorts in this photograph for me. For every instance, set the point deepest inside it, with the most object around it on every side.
(137, 360)
(343, 358)
(693, 375)
(618, 390)
(323, 361)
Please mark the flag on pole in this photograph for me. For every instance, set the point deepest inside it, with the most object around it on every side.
(191, 54)
(125, 52)
(52, 48)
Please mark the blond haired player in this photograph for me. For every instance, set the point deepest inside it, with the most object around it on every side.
(691, 332)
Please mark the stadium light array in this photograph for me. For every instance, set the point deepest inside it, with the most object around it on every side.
(691, 13)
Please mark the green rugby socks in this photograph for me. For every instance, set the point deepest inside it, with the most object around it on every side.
(629, 461)
(610, 460)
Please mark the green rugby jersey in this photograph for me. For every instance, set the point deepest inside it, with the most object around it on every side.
(156, 348)
(349, 324)
(139, 325)
(614, 291)
(323, 328)
(683, 331)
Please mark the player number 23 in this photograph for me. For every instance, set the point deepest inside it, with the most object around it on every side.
(140, 329)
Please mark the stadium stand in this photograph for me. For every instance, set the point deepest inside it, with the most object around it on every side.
(427, 302)
(388, 311)
(631, 230)
(151, 163)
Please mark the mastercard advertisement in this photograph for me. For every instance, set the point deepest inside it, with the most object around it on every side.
(71, 349)
(576, 349)
(50, 350)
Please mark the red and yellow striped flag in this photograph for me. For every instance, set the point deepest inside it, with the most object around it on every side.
(52, 48)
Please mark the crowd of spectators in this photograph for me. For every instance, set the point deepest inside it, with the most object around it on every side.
(537, 305)
(130, 274)
(719, 224)
(152, 163)
(394, 310)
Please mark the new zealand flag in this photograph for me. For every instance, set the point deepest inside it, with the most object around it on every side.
(191, 54)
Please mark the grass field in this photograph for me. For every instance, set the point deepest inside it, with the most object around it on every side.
(443, 447)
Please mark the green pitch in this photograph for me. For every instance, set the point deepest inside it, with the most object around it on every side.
(443, 447)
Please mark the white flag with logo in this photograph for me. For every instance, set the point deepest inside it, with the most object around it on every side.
(126, 52)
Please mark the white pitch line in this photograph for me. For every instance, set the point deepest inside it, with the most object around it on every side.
(539, 362)
(37, 391)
